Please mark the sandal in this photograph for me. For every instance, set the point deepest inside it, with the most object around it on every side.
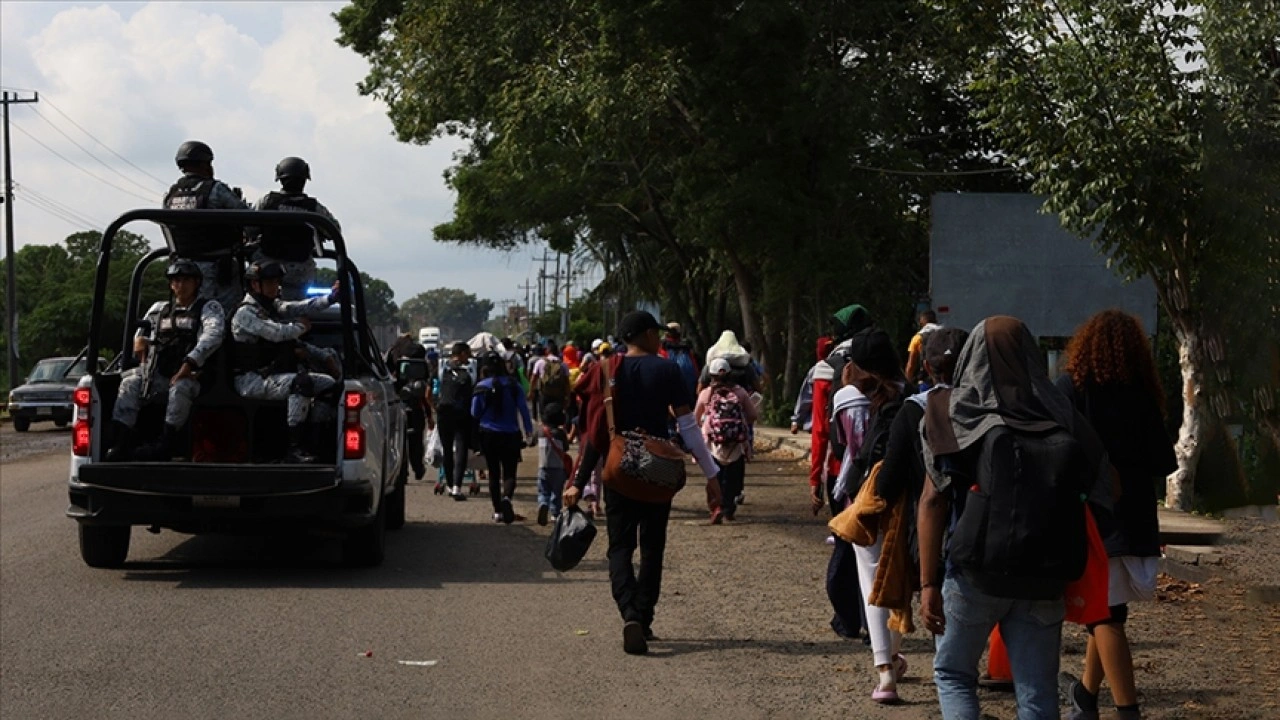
(885, 697)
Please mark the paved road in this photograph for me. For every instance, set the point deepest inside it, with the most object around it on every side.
(220, 627)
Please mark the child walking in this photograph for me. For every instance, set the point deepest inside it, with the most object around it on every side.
(554, 463)
(726, 414)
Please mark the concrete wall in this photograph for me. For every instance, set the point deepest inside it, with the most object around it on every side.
(997, 254)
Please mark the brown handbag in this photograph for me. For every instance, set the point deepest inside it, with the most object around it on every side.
(640, 466)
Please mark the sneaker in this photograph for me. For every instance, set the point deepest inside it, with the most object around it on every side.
(717, 516)
(633, 640)
(741, 499)
(439, 489)
(458, 495)
(497, 517)
(1079, 699)
(507, 514)
(831, 540)
(543, 512)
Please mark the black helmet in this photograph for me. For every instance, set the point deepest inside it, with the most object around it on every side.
(183, 268)
(264, 271)
(193, 151)
(293, 168)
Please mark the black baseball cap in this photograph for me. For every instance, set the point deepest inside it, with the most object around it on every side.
(636, 323)
(942, 347)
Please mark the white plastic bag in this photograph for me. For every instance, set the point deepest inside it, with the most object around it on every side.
(435, 451)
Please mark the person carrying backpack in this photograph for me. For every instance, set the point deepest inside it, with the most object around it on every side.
(824, 465)
(455, 423)
(498, 404)
(1007, 452)
(551, 382)
(725, 412)
(1111, 378)
(680, 352)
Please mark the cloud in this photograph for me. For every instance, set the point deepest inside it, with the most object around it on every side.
(257, 81)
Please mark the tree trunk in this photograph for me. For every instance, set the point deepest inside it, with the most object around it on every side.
(1180, 484)
(790, 377)
(746, 307)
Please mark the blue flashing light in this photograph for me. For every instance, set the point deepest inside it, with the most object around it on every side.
(317, 291)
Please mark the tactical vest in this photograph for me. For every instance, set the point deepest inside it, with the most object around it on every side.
(263, 356)
(295, 243)
(177, 331)
(198, 242)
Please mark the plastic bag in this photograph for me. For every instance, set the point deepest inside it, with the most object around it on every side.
(1086, 597)
(435, 451)
(570, 539)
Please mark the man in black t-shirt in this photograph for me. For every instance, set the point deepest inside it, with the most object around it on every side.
(646, 390)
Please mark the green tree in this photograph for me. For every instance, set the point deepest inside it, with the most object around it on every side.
(457, 313)
(1132, 117)
(55, 293)
(379, 298)
(718, 157)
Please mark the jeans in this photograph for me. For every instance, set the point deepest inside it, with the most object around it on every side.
(629, 521)
(732, 477)
(502, 453)
(1032, 631)
(550, 488)
(454, 427)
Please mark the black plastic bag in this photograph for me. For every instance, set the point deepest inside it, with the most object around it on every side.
(570, 539)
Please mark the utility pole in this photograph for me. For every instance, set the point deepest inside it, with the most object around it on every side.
(11, 284)
(542, 282)
(526, 287)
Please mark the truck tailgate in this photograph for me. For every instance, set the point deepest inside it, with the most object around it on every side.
(175, 478)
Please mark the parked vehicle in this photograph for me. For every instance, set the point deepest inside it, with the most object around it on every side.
(45, 395)
(429, 337)
(231, 480)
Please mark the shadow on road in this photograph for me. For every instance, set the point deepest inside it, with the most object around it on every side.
(421, 555)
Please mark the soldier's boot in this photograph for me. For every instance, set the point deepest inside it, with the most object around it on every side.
(122, 448)
(297, 452)
(161, 450)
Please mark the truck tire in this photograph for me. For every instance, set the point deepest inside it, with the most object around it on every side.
(61, 423)
(395, 501)
(366, 546)
(104, 546)
(21, 424)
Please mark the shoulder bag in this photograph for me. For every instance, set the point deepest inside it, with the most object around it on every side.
(638, 465)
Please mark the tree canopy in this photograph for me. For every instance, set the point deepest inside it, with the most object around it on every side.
(457, 313)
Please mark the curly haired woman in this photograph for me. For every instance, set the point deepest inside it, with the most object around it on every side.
(1110, 376)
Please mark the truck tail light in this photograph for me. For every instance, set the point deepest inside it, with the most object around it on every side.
(353, 441)
(81, 435)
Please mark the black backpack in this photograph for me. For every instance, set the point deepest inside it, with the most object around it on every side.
(455, 388)
(1021, 532)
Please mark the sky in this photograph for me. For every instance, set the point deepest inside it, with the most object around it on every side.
(257, 81)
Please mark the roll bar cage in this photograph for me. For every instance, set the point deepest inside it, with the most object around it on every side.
(348, 274)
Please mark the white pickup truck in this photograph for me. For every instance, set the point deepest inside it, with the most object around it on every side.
(230, 478)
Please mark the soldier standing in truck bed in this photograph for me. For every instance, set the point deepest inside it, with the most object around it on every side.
(293, 247)
(211, 247)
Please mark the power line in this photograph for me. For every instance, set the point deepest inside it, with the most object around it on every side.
(50, 210)
(104, 145)
(72, 140)
(33, 193)
(77, 166)
(11, 88)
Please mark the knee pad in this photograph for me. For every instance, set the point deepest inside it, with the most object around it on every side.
(303, 385)
(1119, 615)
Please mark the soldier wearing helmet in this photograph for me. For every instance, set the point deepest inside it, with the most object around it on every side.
(210, 246)
(293, 247)
(271, 361)
(172, 344)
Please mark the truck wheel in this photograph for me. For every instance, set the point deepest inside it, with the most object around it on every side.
(104, 546)
(395, 508)
(61, 423)
(366, 546)
(395, 501)
(21, 424)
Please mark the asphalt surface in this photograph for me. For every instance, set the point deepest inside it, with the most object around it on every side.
(251, 627)
(215, 626)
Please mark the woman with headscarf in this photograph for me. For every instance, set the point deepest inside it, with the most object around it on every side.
(1110, 375)
(1000, 385)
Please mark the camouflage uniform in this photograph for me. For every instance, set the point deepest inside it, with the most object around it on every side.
(298, 275)
(182, 393)
(252, 323)
(221, 197)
